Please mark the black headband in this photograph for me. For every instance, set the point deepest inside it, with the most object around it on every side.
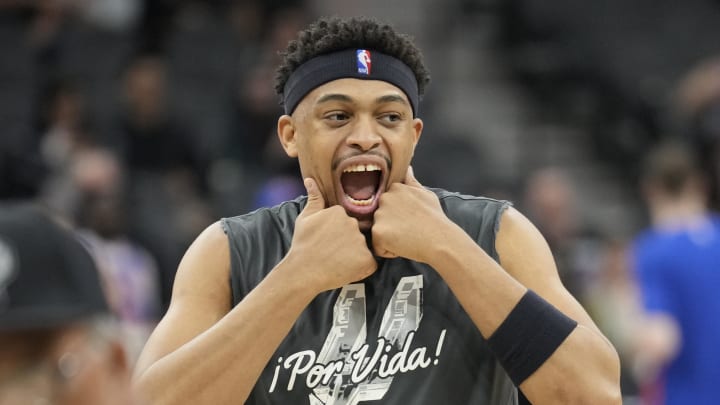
(349, 63)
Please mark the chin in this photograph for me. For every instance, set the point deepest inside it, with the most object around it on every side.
(365, 224)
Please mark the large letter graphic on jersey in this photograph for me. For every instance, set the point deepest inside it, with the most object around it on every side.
(346, 343)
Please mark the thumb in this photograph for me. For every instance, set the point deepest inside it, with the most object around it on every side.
(410, 179)
(315, 202)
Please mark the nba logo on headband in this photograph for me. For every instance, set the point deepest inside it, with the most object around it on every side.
(363, 61)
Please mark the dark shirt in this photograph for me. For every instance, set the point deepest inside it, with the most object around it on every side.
(399, 336)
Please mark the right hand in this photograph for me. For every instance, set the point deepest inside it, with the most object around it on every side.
(328, 248)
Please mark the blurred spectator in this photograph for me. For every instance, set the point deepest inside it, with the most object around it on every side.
(149, 137)
(58, 343)
(676, 265)
(698, 107)
(165, 175)
(550, 203)
(130, 274)
(86, 184)
(89, 188)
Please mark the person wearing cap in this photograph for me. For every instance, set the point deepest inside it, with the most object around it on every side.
(58, 341)
(371, 289)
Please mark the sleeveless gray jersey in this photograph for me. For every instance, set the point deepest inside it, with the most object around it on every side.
(397, 337)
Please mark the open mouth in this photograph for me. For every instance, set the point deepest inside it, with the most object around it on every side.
(360, 185)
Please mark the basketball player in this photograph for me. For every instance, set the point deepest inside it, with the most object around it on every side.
(372, 289)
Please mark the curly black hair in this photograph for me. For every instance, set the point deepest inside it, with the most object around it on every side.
(331, 34)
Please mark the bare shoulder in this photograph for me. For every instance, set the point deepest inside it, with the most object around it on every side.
(519, 244)
(205, 268)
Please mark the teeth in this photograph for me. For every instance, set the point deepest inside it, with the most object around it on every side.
(360, 202)
(362, 168)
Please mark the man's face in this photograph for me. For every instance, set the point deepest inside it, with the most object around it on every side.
(355, 138)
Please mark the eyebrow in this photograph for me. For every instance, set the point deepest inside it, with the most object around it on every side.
(334, 97)
(389, 98)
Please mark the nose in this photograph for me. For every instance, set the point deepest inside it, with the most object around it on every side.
(364, 136)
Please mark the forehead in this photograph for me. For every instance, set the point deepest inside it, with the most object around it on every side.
(357, 90)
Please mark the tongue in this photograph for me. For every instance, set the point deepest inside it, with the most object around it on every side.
(360, 185)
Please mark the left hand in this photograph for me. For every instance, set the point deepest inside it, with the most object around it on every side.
(409, 221)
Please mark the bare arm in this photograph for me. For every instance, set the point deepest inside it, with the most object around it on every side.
(204, 352)
(200, 350)
(657, 341)
(585, 367)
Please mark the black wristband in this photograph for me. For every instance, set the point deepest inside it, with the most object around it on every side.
(529, 335)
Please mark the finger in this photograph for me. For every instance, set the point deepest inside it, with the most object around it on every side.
(410, 179)
(315, 202)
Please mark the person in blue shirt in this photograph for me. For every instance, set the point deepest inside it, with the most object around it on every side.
(677, 265)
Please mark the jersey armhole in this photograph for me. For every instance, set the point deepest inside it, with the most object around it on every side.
(504, 206)
(236, 265)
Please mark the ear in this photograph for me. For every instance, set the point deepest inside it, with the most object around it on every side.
(286, 134)
(117, 374)
(417, 131)
(118, 359)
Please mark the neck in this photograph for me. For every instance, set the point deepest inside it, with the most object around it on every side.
(681, 212)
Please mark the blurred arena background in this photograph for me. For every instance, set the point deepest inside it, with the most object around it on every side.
(143, 121)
